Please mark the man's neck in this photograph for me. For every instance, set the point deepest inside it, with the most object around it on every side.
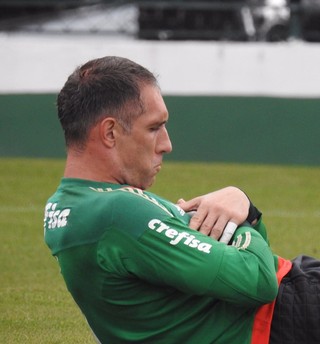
(87, 166)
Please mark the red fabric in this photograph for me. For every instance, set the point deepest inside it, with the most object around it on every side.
(263, 318)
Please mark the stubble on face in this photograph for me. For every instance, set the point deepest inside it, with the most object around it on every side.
(140, 150)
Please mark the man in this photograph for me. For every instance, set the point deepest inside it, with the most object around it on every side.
(139, 269)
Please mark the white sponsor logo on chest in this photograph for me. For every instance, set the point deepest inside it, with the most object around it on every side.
(177, 237)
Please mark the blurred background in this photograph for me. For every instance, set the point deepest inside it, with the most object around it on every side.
(241, 81)
(240, 78)
(235, 20)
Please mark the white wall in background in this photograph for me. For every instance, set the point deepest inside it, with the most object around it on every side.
(41, 64)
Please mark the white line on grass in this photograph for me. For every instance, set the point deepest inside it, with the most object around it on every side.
(291, 214)
(269, 213)
(20, 209)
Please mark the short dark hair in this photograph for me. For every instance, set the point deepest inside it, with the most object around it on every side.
(107, 86)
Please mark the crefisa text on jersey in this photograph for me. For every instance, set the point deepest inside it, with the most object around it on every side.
(176, 236)
(54, 217)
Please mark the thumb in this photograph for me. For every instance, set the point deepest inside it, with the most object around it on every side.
(180, 201)
(188, 205)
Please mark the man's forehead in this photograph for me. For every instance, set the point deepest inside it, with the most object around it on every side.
(154, 117)
(154, 105)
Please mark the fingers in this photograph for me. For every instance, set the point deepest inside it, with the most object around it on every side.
(198, 219)
(220, 229)
(214, 211)
(209, 223)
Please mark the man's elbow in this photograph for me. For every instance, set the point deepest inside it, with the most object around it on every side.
(269, 290)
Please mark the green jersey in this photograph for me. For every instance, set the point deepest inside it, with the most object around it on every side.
(140, 275)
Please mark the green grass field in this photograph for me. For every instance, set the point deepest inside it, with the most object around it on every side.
(34, 304)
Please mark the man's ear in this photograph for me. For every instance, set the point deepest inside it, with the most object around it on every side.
(106, 131)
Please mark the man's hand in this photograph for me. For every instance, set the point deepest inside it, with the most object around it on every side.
(215, 211)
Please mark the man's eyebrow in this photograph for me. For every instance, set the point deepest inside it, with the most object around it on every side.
(158, 123)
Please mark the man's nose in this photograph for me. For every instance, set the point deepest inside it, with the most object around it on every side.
(164, 145)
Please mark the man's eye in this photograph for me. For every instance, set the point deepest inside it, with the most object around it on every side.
(158, 127)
